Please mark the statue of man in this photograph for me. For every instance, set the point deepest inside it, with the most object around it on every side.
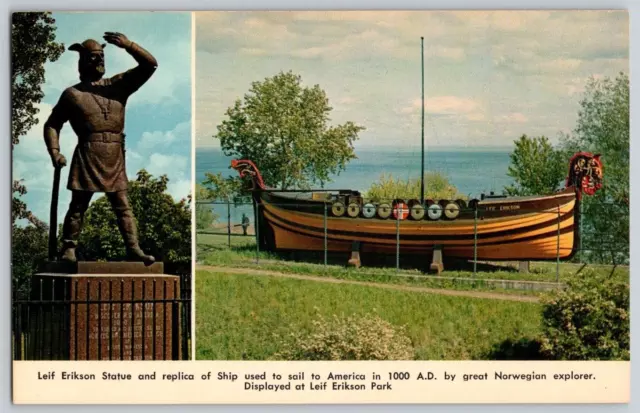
(95, 108)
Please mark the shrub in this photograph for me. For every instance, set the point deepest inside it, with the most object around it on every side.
(436, 186)
(589, 320)
(355, 337)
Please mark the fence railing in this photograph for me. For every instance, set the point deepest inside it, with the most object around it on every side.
(125, 319)
(228, 223)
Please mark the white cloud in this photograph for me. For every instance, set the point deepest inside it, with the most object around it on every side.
(179, 189)
(160, 164)
(156, 139)
(488, 74)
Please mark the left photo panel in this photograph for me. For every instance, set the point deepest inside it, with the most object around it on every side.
(102, 186)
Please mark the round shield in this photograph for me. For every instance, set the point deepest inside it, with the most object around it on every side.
(434, 212)
(417, 212)
(452, 210)
(369, 211)
(384, 211)
(400, 211)
(353, 210)
(337, 209)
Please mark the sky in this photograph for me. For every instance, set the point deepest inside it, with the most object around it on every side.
(490, 76)
(158, 117)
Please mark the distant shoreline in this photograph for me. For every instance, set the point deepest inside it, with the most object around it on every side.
(405, 149)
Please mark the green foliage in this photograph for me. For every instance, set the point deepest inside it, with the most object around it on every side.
(283, 128)
(603, 127)
(216, 187)
(205, 216)
(589, 320)
(164, 226)
(29, 243)
(32, 45)
(367, 337)
(436, 187)
(29, 248)
(536, 167)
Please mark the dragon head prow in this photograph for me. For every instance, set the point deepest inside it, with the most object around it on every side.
(246, 167)
(585, 173)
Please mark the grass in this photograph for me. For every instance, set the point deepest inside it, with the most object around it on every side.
(214, 250)
(241, 316)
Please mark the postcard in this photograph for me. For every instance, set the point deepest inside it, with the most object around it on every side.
(322, 206)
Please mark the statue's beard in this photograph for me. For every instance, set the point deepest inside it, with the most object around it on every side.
(92, 71)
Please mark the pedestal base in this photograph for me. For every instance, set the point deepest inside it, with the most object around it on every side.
(102, 313)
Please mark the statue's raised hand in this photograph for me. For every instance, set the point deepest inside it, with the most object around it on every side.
(117, 39)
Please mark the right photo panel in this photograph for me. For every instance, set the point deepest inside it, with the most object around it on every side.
(415, 185)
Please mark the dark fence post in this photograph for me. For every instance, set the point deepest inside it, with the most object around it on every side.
(558, 249)
(475, 239)
(175, 325)
(257, 233)
(325, 234)
(229, 221)
(397, 238)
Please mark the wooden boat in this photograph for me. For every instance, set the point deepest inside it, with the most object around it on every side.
(492, 228)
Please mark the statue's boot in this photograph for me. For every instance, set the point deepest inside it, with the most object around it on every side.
(127, 225)
(70, 233)
(73, 224)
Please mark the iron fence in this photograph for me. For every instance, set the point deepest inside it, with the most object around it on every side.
(110, 318)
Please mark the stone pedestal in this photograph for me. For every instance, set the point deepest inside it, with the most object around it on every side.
(105, 311)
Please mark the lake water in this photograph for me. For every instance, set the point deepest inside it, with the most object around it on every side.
(471, 171)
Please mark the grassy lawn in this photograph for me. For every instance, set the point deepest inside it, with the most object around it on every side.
(214, 250)
(241, 316)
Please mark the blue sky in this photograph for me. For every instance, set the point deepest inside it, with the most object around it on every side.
(158, 118)
(490, 76)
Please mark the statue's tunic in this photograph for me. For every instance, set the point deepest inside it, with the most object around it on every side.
(96, 112)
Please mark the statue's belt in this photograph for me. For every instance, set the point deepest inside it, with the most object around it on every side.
(106, 137)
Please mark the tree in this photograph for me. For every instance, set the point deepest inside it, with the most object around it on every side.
(603, 128)
(283, 128)
(164, 225)
(28, 249)
(536, 167)
(436, 187)
(32, 45)
(205, 216)
(218, 188)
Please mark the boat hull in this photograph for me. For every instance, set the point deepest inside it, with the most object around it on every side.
(537, 228)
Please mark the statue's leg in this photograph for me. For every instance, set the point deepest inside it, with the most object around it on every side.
(127, 225)
(73, 223)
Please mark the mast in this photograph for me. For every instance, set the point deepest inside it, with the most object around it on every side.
(422, 163)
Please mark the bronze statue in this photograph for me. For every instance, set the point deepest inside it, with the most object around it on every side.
(95, 108)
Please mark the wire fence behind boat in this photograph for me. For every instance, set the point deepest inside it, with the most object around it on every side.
(231, 226)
